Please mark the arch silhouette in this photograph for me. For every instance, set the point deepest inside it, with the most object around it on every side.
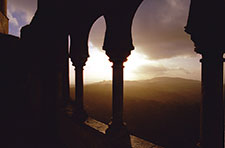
(80, 37)
(118, 44)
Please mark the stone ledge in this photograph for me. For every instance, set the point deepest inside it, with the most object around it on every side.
(91, 134)
(135, 141)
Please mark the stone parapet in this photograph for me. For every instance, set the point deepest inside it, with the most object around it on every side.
(91, 134)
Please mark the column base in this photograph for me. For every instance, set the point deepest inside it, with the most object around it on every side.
(79, 115)
(118, 135)
(66, 105)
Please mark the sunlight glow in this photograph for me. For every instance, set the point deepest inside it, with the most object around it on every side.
(134, 62)
(138, 67)
(98, 66)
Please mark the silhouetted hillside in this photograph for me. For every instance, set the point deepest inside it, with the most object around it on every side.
(162, 110)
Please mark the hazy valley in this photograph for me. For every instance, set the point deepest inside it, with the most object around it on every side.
(162, 110)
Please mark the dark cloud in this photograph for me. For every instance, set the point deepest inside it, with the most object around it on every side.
(23, 5)
(158, 29)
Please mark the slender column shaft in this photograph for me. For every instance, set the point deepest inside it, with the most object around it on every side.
(79, 86)
(117, 132)
(79, 58)
(117, 93)
(212, 108)
(66, 87)
(79, 113)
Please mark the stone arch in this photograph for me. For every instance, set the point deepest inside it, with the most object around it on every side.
(79, 35)
(96, 37)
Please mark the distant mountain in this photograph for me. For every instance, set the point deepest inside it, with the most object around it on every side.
(163, 110)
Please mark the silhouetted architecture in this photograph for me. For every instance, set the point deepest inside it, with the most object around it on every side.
(206, 27)
(3, 17)
(118, 45)
(40, 57)
(45, 45)
(45, 42)
(83, 17)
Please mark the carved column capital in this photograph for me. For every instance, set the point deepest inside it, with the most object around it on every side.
(79, 62)
(118, 56)
(117, 128)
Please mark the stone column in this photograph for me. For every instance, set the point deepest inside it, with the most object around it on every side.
(79, 114)
(3, 7)
(212, 108)
(117, 131)
(117, 93)
(118, 45)
(4, 21)
(66, 83)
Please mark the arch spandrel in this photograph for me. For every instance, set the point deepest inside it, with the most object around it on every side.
(119, 18)
(83, 16)
(207, 27)
(76, 19)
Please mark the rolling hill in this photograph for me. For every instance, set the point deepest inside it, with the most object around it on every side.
(162, 110)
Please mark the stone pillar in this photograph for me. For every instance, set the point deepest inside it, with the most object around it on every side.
(117, 93)
(3, 7)
(118, 44)
(39, 4)
(4, 21)
(212, 108)
(206, 29)
(117, 131)
(66, 83)
(79, 114)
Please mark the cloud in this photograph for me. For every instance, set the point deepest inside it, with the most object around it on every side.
(12, 20)
(151, 71)
(160, 69)
(97, 33)
(28, 7)
(20, 13)
(158, 29)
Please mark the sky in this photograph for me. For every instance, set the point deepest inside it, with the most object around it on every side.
(162, 48)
